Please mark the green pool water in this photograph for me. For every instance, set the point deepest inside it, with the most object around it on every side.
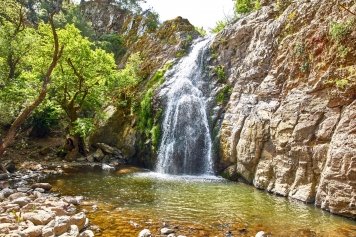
(192, 206)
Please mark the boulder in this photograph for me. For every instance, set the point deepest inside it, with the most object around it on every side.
(72, 231)
(48, 230)
(78, 220)
(39, 217)
(86, 233)
(7, 192)
(260, 234)
(45, 186)
(145, 233)
(61, 224)
(70, 200)
(32, 231)
(9, 165)
(6, 227)
(11, 207)
(16, 195)
(166, 231)
(22, 201)
(98, 155)
(4, 184)
(109, 149)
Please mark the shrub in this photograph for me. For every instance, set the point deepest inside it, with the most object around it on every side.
(156, 132)
(43, 119)
(219, 26)
(201, 31)
(145, 123)
(220, 71)
(338, 31)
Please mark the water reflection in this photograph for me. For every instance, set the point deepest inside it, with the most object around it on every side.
(197, 206)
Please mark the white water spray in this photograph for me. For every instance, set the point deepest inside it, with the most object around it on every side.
(186, 141)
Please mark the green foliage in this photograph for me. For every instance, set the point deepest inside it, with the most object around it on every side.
(201, 30)
(214, 55)
(83, 127)
(181, 53)
(224, 94)
(158, 77)
(257, 5)
(43, 119)
(156, 133)
(130, 5)
(243, 6)
(71, 14)
(220, 71)
(342, 50)
(152, 21)
(342, 83)
(22, 68)
(145, 117)
(112, 43)
(299, 49)
(339, 31)
(304, 67)
(219, 26)
(189, 38)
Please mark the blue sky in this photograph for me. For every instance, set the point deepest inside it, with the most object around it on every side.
(199, 12)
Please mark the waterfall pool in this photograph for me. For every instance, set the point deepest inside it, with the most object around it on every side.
(192, 205)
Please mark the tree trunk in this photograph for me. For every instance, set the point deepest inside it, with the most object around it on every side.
(24, 114)
(76, 140)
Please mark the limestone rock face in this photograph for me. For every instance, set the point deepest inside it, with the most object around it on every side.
(289, 126)
(105, 17)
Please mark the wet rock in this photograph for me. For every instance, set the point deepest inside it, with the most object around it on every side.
(145, 233)
(4, 176)
(69, 199)
(9, 165)
(134, 224)
(78, 220)
(166, 231)
(98, 155)
(86, 233)
(72, 231)
(40, 190)
(45, 186)
(107, 167)
(94, 207)
(260, 234)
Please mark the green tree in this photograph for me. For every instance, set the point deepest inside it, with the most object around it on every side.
(85, 82)
(112, 43)
(28, 73)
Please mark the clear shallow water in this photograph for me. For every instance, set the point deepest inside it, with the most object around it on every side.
(194, 206)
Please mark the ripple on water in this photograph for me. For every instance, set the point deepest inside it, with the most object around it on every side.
(195, 206)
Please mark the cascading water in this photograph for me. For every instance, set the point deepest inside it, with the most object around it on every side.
(186, 142)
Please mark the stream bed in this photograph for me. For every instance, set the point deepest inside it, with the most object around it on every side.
(130, 199)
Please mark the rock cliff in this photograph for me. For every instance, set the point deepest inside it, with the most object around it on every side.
(289, 126)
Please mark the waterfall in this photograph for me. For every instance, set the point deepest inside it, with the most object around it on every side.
(186, 144)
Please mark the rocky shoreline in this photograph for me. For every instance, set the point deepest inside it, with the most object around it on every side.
(34, 211)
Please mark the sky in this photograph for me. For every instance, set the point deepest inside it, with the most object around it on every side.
(201, 13)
